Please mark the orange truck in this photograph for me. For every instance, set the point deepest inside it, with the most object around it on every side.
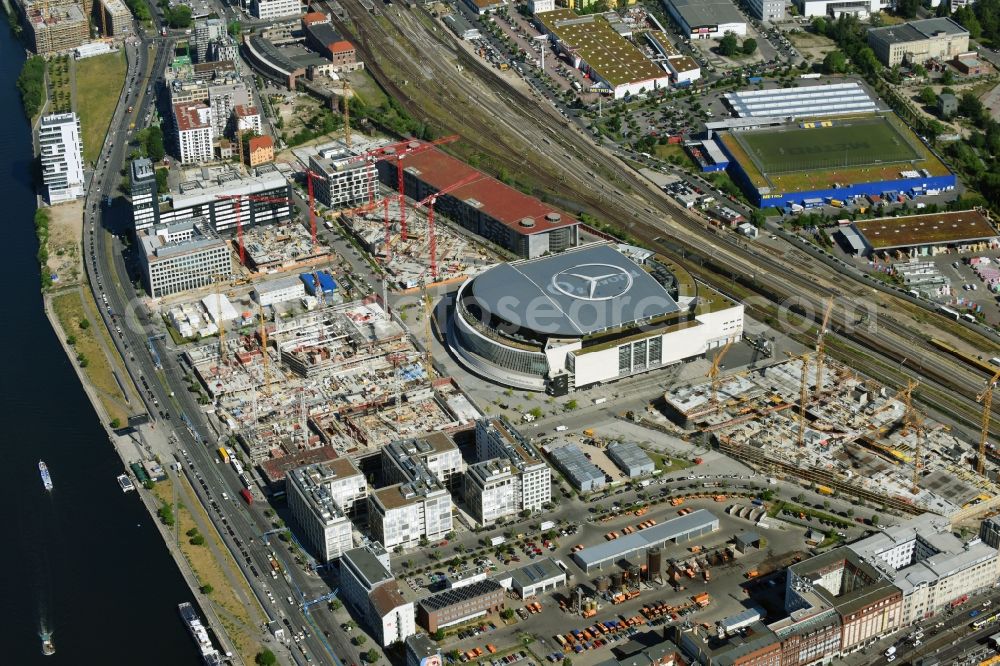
(676, 501)
(701, 599)
(719, 498)
(752, 574)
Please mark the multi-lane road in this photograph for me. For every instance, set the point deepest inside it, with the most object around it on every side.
(162, 388)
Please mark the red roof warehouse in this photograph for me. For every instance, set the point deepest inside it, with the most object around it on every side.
(499, 213)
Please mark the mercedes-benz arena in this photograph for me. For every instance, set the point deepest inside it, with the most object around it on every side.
(587, 315)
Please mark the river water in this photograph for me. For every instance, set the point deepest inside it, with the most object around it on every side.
(86, 560)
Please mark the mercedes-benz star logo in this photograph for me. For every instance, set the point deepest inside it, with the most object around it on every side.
(592, 282)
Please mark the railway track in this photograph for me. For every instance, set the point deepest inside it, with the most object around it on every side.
(401, 53)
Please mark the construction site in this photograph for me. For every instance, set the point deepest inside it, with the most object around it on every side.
(819, 423)
(406, 255)
(286, 247)
(347, 376)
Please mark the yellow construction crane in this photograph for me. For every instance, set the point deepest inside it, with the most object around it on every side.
(821, 343)
(912, 420)
(263, 350)
(346, 88)
(713, 372)
(803, 399)
(986, 397)
(239, 140)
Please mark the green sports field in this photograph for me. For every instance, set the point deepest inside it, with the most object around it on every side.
(845, 144)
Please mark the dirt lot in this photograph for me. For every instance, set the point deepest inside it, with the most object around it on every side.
(65, 225)
(814, 47)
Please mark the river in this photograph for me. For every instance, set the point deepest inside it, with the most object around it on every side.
(85, 559)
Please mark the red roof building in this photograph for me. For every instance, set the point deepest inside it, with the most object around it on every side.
(313, 18)
(498, 212)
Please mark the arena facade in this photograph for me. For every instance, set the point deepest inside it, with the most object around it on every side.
(585, 316)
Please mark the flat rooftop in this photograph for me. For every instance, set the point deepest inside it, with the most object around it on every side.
(593, 39)
(824, 100)
(536, 572)
(917, 30)
(707, 13)
(577, 292)
(527, 215)
(610, 551)
(930, 229)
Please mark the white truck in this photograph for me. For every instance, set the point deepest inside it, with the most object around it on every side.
(546, 525)
(497, 540)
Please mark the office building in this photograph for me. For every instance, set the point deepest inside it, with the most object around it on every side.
(195, 132)
(61, 154)
(369, 587)
(460, 605)
(267, 10)
(225, 99)
(933, 568)
(404, 513)
(767, 10)
(347, 178)
(145, 206)
(868, 605)
(437, 453)
(491, 490)
(511, 476)
(183, 255)
(55, 28)
(278, 291)
(213, 193)
(918, 41)
(116, 16)
(989, 532)
(540, 6)
(322, 522)
(422, 651)
(204, 32)
(862, 9)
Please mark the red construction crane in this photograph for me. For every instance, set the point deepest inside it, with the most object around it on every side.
(401, 154)
(310, 174)
(430, 201)
(237, 199)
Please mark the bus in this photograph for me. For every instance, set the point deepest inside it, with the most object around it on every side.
(247, 481)
(223, 454)
(948, 312)
(237, 466)
(969, 318)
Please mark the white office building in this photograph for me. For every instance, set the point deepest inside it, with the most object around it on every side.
(767, 10)
(933, 567)
(322, 521)
(279, 291)
(511, 477)
(405, 513)
(539, 6)
(346, 178)
(266, 10)
(195, 132)
(437, 453)
(367, 584)
(62, 156)
(836, 8)
(183, 255)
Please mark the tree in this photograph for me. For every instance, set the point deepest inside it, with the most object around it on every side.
(84, 324)
(179, 16)
(907, 8)
(835, 62)
(728, 45)
(874, 520)
(439, 635)
(372, 656)
(116, 423)
(234, 29)
(749, 46)
(507, 614)
(197, 540)
(928, 97)
(71, 340)
(206, 589)
(336, 605)
(567, 661)
(536, 412)
(265, 658)
(571, 405)
(360, 639)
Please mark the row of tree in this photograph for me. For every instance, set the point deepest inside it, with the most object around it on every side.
(31, 84)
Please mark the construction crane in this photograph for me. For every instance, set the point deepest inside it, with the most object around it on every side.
(413, 148)
(912, 420)
(237, 200)
(986, 397)
(346, 88)
(220, 321)
(310, 174)
(428, 355)
(104, 20)
(239, 141)
(821, 343)
(713, 372)
(429, 202)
